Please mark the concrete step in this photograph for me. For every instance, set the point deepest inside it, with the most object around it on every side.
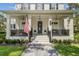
(42, 39)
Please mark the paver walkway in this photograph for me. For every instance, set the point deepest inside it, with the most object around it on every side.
(40, 47)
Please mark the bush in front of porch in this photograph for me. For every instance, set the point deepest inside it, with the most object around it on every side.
(62, 41)
(12, 41)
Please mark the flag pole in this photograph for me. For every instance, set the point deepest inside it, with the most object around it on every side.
(29, 36)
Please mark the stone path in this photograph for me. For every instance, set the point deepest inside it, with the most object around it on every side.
(40, 47)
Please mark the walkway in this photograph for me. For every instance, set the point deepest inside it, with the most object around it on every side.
(40, 47)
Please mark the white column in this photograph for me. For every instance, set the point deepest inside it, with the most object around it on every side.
(8, 28)
(50, 26)
(29, 20)
(71, 29)
(66, 24)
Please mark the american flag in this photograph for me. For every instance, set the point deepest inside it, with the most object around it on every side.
(26, 26)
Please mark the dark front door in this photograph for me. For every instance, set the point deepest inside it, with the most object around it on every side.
(39, 27)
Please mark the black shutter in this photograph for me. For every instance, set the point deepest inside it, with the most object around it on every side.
(57, 6)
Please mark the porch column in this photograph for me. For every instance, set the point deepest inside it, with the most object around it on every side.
(8, 28)
(50, 29)
(71, 29)
(66, 24)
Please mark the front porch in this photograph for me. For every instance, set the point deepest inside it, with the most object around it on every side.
(59, 24)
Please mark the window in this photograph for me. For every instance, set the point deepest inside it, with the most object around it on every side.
(53, 6)
(54, 22)
(32, 6)
(60, 6)
(39, 6)
(18, 6)
(46, 6)
(25, 6)
(13, 26)
(13, 22)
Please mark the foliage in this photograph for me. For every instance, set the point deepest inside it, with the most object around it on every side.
(62, 41)
(76, 37)
(11, 50)
(17, 41)
(2, 26)
(67, 49)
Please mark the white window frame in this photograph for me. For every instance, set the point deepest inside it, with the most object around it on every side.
(53, 6)
(32, 6)
(39, 6)
(26, 6)
(46, 6)
(18, 6)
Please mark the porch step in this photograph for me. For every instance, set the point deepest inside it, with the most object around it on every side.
(42, 39)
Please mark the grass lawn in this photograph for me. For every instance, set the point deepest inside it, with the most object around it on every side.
(68, 50)
(11, 50)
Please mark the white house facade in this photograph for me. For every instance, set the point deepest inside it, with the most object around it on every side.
(44, 19)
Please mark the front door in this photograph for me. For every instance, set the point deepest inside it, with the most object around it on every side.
(39, 27)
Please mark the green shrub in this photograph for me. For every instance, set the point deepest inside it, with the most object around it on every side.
(13, 41)
(67, 41)
(8, 41)
(17, 41)
(75, 41)
(1, 41)
(26, 41)
(55, 41)
(60, 41)
(76, 36)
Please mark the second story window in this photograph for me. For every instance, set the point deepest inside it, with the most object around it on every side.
(18, 6)
(53, 6)
(39, 6)
(32, 6)
(46, 6)
(26, 6)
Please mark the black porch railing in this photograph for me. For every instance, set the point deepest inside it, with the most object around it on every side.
(58, 32)
(18, 33)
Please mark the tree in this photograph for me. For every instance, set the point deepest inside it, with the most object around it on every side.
(76, 19)
(2, 24)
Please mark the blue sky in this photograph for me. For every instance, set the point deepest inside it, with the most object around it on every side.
(7, 6)
(11, 6)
